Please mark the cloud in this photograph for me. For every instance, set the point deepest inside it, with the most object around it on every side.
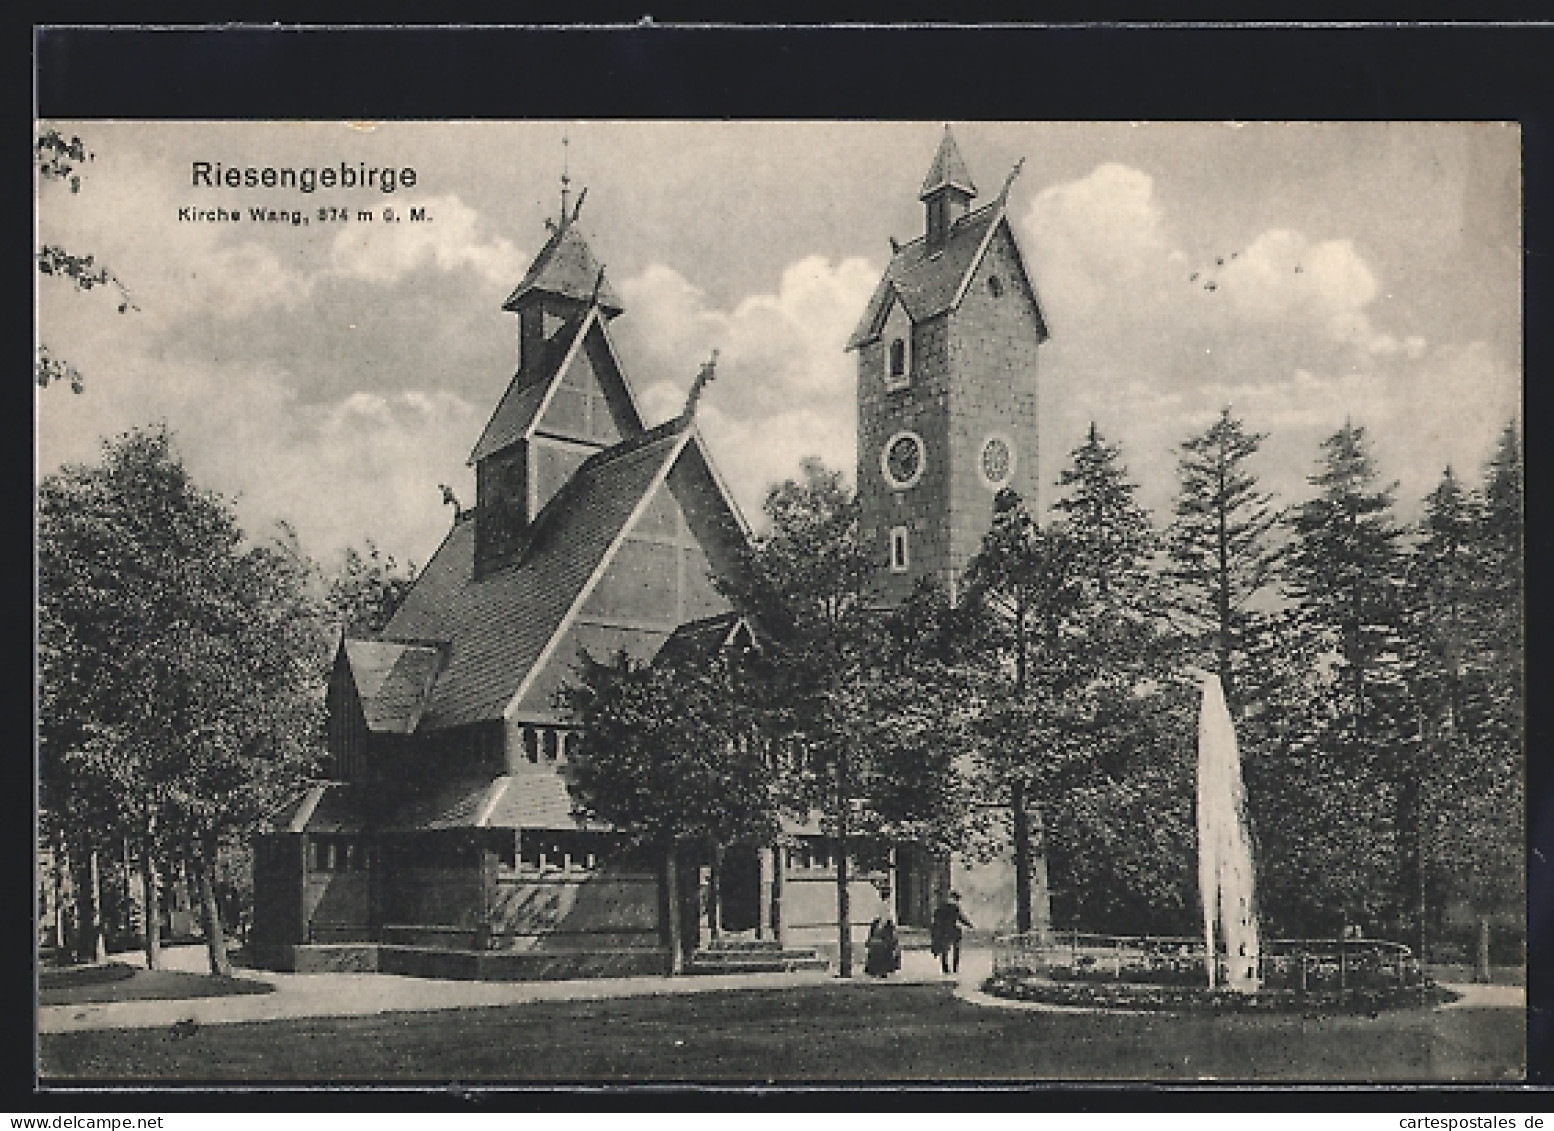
(451, 240)
(1288, 334)
(364, 466)
(785, 385)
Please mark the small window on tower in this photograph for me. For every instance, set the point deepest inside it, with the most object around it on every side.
(995, 286)
(531, 744)
(900, 559)
(900, 363)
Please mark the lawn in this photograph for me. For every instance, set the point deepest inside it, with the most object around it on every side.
(118, 982)
(823, 1034)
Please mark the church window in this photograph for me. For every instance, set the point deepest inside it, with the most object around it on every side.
(531, 744)
(996, 464)
(902, 460)
(548, 743)
(899, 556)
(899, 374)
(995, 286)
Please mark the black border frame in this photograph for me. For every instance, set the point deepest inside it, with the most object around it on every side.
(637, 68)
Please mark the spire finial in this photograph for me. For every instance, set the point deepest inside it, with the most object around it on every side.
(703, 379)
(565, 179)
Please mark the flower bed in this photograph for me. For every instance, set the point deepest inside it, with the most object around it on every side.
(1111, 994)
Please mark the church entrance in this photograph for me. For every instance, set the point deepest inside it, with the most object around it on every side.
(739, 889)
(921, 881)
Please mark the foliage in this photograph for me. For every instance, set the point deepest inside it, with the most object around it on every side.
(179, 664)
(1336, 792)
(59, 159)
(1222, 556)
(805, 584)
(1344, 574)
(1465, 671)
(1111, 530)
(1081, 715)
(368, 589)
(670, 753)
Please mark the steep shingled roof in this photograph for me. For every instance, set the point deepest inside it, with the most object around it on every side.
(499, 626)
(393, 682)
(948, 169)
(699, 641)
(326, 807)
(538, 800)
(525, 397)
(929, 283)
(516, 410)
(565, 266)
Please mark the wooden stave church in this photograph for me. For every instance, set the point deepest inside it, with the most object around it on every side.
(444, 841)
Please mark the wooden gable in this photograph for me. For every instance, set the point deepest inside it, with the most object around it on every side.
(659, 575)
(345, 726)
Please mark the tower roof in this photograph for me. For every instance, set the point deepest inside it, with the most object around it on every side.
(565, 266)
(948, 170)
(928, 281)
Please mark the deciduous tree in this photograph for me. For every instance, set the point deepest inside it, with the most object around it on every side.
(59, 158)
(180, 664)
(672, 754)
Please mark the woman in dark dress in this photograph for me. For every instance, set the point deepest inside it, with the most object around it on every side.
(883, 949)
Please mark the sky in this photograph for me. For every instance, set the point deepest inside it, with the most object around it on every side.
(333, 374)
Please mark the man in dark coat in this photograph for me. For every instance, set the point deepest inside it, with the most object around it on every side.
(944, 938)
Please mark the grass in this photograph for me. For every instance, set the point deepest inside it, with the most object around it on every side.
(811, 1034)
(115, 981)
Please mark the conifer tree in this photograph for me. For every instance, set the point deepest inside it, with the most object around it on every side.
(1222, 547)
(1128, 772)
(1112, 532)
(1344, 575)
(1344, 572)
(1025, 584)
(1465, 670)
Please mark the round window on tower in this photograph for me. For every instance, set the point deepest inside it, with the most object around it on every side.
(902, 460)
(996, 464)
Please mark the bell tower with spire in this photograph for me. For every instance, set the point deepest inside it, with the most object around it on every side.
(567, 399)
(947, 379)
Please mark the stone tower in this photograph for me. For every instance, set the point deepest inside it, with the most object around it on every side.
(947, 371)
(947, 378)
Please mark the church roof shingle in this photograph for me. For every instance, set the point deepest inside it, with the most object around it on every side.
(498, 627)
(565, 266)
(948, 169)
(536, 800)
(393, 682)
(929, 282)
(698, 642)
(325, 807)
(516, 410)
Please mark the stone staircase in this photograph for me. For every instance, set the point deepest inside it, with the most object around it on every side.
(752, 956)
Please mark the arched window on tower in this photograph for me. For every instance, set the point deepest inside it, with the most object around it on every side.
(900, 364)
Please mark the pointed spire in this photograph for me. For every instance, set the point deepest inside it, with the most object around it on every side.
(948, 170)
(565, 181)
